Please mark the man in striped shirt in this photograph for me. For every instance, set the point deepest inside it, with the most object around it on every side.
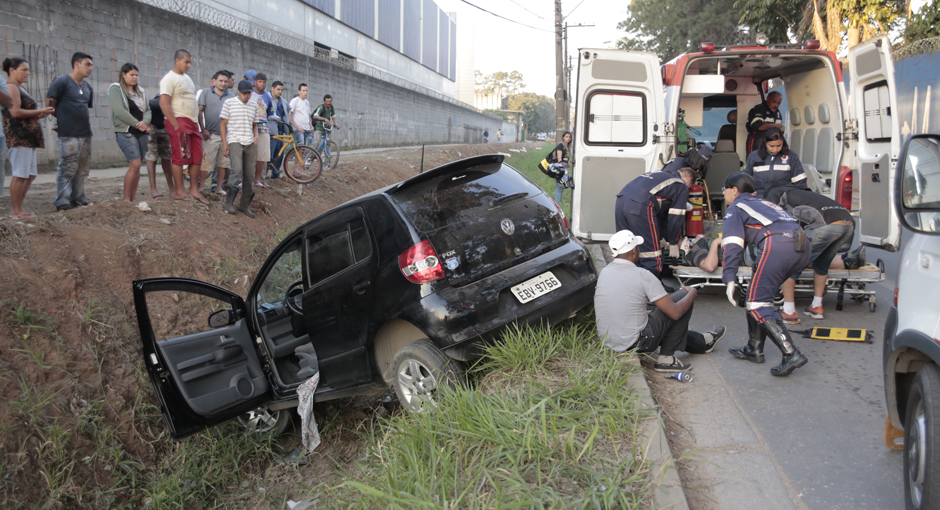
(239, 130)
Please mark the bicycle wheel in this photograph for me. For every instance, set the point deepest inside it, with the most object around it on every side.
(303, 164)
(331, 157)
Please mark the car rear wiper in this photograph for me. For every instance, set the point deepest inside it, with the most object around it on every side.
(507, 198)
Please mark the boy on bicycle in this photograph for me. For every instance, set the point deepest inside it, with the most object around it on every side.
(324, 117)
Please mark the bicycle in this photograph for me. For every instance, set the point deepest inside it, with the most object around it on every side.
(328, 150)
(301, 162)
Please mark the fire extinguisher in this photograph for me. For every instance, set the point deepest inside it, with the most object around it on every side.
(693, 218)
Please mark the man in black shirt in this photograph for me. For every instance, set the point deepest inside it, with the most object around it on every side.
(763, 117)
(830, 225)
(72, 96)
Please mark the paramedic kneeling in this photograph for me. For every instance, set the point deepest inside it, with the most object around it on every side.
(776, 234)
(620, 299)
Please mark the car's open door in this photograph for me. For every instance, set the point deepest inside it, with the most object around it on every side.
(873, 100)
(199, 352)
(620, 114)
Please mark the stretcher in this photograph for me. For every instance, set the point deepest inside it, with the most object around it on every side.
(844, 282)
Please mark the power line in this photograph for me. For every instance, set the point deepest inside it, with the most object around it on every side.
(507, 19)
(572, 10)
(524, 7)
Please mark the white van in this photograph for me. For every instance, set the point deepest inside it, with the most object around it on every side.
(911, 348)
(630, 110)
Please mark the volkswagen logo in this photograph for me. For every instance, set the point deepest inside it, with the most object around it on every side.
(507, 226)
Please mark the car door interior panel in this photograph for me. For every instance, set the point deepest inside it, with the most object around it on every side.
(214, 368)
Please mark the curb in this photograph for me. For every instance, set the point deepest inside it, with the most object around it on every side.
(667, 487)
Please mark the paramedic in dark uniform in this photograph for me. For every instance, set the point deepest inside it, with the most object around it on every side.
(751, 221)
(761, 118)
(648, 201)
(774, 164)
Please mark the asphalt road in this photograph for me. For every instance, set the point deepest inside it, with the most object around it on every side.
(812, 440)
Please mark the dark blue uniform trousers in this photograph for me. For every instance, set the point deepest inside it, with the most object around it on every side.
(641, 219)
(777, 259)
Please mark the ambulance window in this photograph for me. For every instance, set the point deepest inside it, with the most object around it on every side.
(615, 118)
(877, 112)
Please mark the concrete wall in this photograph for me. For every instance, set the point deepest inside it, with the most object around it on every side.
(918, 90)
(372, 112)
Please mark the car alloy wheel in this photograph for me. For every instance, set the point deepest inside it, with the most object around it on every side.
(420, 369)
(264, 421)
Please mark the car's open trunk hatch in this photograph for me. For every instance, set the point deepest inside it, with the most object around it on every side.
(482, 220)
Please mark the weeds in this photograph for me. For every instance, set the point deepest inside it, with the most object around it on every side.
(226, 270)
(552, 425)
(22, 316)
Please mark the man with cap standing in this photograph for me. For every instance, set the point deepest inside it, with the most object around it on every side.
(238, 126)
(623, 291)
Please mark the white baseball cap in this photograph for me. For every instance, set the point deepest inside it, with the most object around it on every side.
(623, 242)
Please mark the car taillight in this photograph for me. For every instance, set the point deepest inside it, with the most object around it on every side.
(564, 219)
(896, 292)
(844, 189)
(420, 263)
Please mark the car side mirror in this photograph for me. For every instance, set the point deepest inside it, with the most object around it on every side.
(222, 318)
(917, 186)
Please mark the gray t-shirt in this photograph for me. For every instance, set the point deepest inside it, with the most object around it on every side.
(213, 103)
(71, 111)
(620, 299)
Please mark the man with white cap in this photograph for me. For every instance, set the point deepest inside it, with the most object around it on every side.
(620, 304)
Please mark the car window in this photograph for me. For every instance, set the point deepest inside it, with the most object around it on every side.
(453, 198)
(287, 270)
(921, 186)
(331, 251)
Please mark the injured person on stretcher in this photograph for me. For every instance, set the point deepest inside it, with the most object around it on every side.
(704, 252)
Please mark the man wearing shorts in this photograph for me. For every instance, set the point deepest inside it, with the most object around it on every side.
(263, 100)
(178, 103)
(158, 148)
(71, 97)
(210, 107)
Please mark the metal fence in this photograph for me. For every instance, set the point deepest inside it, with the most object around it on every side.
(209, 15)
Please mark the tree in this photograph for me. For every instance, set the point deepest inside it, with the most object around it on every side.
(538, 111)
(925, 23)
(829, 21)
(671, 27)
(500, 83)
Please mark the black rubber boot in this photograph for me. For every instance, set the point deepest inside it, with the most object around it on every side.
(229, 205)
(245, 201)
(792, 357)
(754, 350)
(855, 258)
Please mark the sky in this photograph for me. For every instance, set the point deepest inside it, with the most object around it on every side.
(505, 46)
(502, 45)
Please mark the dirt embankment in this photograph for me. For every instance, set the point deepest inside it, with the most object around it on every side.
(70, 356)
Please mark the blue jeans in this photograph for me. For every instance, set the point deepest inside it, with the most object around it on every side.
(558, 189)
(305, 138)
(74, 165)
(826, 243)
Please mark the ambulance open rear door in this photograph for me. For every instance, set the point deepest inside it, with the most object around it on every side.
(620, 112)
(873, 100)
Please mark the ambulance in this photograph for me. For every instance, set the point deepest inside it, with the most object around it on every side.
(633, 115)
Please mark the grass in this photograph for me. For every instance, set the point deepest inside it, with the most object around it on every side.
(526, 162)
(552, 424)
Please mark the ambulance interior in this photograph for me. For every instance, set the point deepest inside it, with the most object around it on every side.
(718, 88)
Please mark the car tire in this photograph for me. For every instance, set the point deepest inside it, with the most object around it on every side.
(922, 441)
(419, 368)
(264, 421)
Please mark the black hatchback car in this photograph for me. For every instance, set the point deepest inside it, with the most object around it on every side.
(396, 287)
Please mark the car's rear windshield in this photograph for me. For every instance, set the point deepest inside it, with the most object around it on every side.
(461, 195)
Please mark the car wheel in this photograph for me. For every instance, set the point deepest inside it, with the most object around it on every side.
(420, 368)
(921, 450)
(264, 421)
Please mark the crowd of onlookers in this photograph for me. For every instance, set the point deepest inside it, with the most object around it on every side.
(212, 133)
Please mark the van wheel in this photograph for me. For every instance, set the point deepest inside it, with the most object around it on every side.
(264, 421)
(420, 368)
(921, 435)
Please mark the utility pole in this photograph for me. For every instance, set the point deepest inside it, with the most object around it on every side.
(561, 95)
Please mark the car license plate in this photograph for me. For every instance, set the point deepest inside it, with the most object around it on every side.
(536, 287)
